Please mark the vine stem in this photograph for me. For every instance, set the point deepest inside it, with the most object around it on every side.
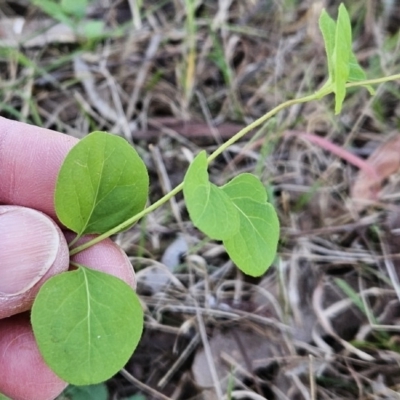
(374, 81)
(219, 151)
(257, 123)
(128, 222)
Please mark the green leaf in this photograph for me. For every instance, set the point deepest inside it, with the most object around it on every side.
(238, 213)
(253, 247)
(91, 392)
(54, 10)
(328, 27)
(101, 184)
(86, 324)
(209, 207)
(135, 397)
(351, 294)
(76, 8)
(93, 29)
(356, 73)
(4, 397)
(343, 66)
(341, 56)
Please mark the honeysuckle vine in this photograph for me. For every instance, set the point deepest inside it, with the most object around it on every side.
(87, 323)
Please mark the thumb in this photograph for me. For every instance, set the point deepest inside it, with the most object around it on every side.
(32, 249)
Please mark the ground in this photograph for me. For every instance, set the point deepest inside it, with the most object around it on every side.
(174, 77)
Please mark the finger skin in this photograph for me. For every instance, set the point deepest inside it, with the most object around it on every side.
(55, 261)
(25, 376)
(30, 158)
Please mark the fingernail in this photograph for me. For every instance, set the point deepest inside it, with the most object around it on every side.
(29, 243)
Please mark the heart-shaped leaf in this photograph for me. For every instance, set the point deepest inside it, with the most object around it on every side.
(237, 213)
(101, 184)
(253, 247)
(210, 209)
(87, 324)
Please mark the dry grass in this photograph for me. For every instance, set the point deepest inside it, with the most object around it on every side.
(323, 322)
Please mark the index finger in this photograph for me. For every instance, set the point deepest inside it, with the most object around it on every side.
(30, 158)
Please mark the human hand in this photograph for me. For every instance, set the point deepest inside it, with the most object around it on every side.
(32, 249)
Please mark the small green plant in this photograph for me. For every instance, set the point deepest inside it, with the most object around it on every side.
(87, 323)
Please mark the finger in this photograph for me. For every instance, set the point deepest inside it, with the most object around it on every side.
(23, 373)
(30, 158)
(32, 249)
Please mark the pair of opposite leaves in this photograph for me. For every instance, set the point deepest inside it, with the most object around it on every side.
(343, 66)
(83, 317)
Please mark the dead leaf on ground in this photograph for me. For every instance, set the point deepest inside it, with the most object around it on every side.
(385, 160)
